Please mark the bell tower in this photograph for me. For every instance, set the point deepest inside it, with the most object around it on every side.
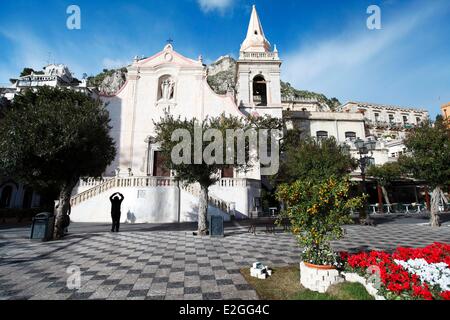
(258, 73)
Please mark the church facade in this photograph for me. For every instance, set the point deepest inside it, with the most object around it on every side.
(168, 82)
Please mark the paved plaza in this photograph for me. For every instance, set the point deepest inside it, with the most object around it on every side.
(168, 262)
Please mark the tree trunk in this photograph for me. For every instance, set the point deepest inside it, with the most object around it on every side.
(386, 195)
(435, 198)
(380, 199)
(427, 199)
(63, 209)
(203, 212)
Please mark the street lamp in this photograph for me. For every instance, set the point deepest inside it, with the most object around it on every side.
(364, 148)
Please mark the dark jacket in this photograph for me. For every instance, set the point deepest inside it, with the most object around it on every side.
(116, 204)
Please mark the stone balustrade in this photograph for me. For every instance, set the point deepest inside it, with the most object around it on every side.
(259, 55)
(216, 202)
(99, 186)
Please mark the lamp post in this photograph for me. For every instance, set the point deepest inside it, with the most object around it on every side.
(364, 148)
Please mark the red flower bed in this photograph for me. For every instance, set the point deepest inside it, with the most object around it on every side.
(395, 280)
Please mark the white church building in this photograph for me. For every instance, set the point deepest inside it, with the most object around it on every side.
(170, 82)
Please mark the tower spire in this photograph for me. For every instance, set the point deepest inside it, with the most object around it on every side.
(256, 40)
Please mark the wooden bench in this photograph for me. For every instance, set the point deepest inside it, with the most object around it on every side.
(269, 224)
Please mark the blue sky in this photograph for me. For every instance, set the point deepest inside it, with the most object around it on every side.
(325, 45)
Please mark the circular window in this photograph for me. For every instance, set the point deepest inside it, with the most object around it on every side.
(168, 57)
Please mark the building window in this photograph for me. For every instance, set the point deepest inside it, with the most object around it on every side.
(350, 135)
(405, 119)
(228, 172)
(6, 197)
(259, 91)
(391, 118)
(159, 168)
(322, 135)
(27, 198)
(418, 120)
(377, 117)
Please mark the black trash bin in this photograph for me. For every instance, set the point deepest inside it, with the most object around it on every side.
(42, 227)
(216, 228)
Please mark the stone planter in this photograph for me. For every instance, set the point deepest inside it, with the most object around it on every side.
(318, 278)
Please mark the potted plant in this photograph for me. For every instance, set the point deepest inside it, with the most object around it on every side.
(317, 211)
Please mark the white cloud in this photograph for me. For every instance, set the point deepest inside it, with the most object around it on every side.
(29, 51)
(109, 63)
(212, 5)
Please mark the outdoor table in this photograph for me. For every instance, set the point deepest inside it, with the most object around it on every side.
(419, 208)
(374, 207)
(389, 208)
(407, 207)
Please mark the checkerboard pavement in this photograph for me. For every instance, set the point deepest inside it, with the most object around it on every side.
(169, 265)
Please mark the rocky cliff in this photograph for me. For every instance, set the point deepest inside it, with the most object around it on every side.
(109, 81)
(289, 92)
(222, 75)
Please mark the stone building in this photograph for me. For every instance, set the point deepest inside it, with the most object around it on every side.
(170, 82)
(386, 121)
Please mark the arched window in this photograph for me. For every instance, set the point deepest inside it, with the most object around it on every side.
(6, 197)
(322, 135)
(350, 135)
(259, 91)
(166, 88)
(27, 198)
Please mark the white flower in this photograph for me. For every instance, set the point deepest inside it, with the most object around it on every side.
(436, 274)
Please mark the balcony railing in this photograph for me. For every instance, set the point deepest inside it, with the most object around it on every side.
(259, 55)
(389, 125)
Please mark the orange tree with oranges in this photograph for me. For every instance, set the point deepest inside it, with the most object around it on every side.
(317, 211)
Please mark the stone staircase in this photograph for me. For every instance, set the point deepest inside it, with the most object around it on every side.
(97, 187)
(224, 206)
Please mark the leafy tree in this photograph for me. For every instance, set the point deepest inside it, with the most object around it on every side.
(385, 175)
(428, 160)
(5, 104)
(307, 158)
(288, 91)
(205, 173)
(52, 137)
(26, 72)
(317, 210)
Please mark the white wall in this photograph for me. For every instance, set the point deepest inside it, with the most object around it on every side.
(154, 205)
